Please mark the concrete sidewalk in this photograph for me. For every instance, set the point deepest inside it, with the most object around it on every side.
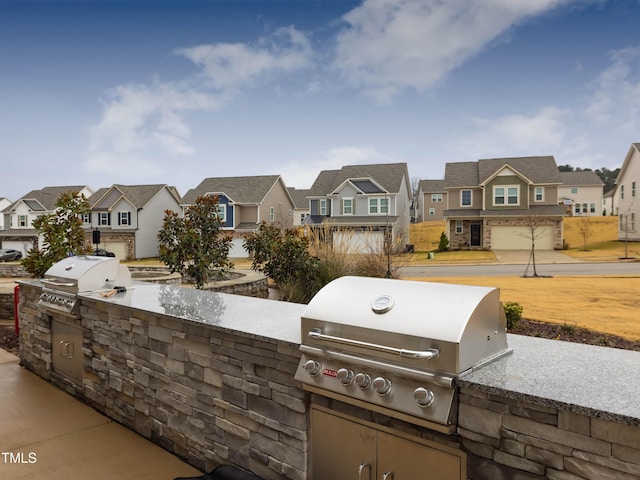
(47, 434)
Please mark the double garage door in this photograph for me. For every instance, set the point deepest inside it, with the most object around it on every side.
(519, 237)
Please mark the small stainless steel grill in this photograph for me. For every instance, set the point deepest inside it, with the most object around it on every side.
(73, 275)
(398, 346)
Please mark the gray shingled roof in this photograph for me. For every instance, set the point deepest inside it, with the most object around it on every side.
(248, 190)
(137, 195)
(581, 178)
(432, 186)
(46, 197)
(299, 197)
(388, 175)
(539, 170)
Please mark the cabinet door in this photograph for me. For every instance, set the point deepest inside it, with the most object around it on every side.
(341, 449)
(402, 459)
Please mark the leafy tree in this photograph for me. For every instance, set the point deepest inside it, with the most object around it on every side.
(62, 234)
(194, 245)
(283, 256)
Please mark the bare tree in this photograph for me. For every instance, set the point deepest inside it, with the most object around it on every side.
(585, 227)
(626, 223)
(534, 233)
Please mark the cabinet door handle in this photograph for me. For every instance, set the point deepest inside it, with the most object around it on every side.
(387, 476)
(361, 468)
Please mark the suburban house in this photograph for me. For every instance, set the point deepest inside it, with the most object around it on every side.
(627, 185)
(581, 193)
(4, 203)
(359, 203)
(500, 203)
(300, 205)
(129, 218)
(245, 202)
(432, 200)
(610, 203)
(18, 217)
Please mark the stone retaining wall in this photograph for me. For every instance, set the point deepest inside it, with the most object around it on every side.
(6, 305)
(13, 270)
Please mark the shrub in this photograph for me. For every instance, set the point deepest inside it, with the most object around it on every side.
(513, 311)
(443, 244)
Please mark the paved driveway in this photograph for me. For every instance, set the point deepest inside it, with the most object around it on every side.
(542, 257)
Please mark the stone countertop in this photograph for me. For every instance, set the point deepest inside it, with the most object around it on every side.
(585, 379)
(245, 315)
(589, 380)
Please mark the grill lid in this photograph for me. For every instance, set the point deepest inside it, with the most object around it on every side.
(86, 273)
(437, 326)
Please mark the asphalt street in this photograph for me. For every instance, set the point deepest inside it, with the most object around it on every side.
(548, 269)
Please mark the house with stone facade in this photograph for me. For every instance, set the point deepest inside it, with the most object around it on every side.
(129, 218)
(432, 200)
(18, 232)
(628, 195)
(245, 202)
(581, 193)
(359, 203)
(504, 203)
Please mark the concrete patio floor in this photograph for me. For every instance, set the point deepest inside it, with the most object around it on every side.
(47, 434)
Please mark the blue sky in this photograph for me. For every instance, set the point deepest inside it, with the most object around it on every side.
(173, 91)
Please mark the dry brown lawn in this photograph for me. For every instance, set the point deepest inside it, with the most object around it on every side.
(603, 304)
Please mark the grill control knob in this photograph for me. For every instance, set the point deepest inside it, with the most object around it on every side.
(345, 376)
(312, 367)
(423, 396)
(362, 380)
(382, 386)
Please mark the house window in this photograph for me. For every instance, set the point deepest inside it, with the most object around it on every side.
(85, 217)
(633, 189)
(577, 208)
(347, 206)
(465, 198)
(23, 221)
(506, 195)
(574, 190)
(621, 192)
(436, 197)
(272, 214)
(432, 211)
(323, 207)
(221, 213)
(124, 218)
(104, 218)
(459, 227)
(592, 208)
(539, 194)
(303, 216)
(378, 205)
(633, 222)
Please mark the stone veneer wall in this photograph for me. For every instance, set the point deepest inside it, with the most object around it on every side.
(207, 395)
(509, 439)
(13, 270)
(214, 396)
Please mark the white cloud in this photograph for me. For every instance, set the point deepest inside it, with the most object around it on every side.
(149, 121)
(540, 133)
(389, 45)
(231, 65)
(617, 91)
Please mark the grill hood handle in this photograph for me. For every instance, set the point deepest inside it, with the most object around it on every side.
(428, 354)
(58, 284)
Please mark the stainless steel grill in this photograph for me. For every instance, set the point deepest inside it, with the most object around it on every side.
(73, 275)
(398, 346)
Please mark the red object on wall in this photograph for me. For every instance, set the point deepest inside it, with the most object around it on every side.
(16, 301)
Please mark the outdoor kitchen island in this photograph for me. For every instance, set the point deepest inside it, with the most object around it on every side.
(210, 377)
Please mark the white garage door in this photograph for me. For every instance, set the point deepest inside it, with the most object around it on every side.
(358, 242)
(119, 248)
(237, 250)
(519, 238)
